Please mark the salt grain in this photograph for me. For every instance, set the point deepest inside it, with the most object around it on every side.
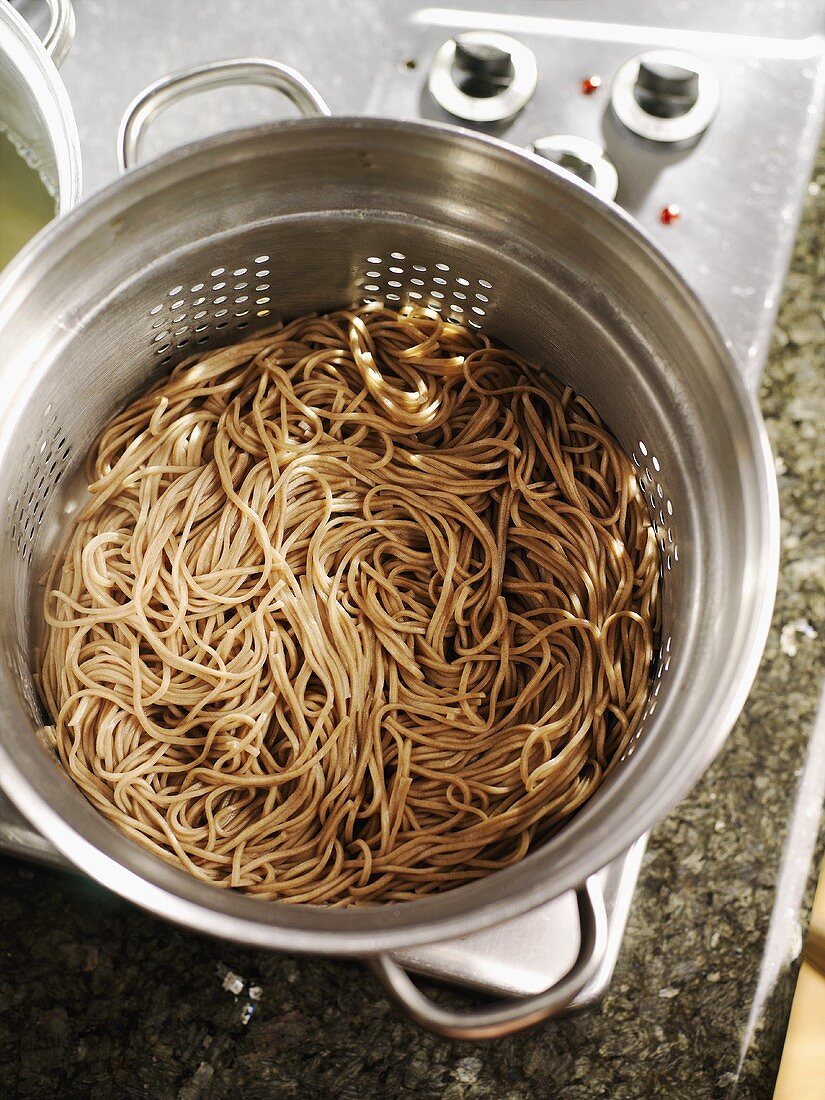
(233, 983)
(791, 632)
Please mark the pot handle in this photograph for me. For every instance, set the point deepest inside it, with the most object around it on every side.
(58, 38)
(214, 74)
(505, 1017)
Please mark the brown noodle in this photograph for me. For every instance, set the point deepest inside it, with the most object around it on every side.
(358, 610)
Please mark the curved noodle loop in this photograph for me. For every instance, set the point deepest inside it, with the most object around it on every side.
(359, 609)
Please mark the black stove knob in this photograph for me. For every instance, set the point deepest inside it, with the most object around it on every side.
(483, 67)
(483, 77)
(581, 158)
(664, 89)
(665, 96)
(570, 161)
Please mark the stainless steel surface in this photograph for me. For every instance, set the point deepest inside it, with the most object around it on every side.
(504, 1017)
(17, 837)
(532, 953)
(739, 188)
(585, 159)
(732, 243)
(219, 74)
(675, 129)
(34, 107)
(555, 272)
(506, 103)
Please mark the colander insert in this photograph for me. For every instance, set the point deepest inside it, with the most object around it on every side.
(212, 242)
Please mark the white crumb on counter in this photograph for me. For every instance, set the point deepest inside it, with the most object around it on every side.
(233, 983)
(790, 634)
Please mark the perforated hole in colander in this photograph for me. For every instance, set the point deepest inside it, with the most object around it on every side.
(41, 467)
(175, 321)
(650, 481)
(396, 278)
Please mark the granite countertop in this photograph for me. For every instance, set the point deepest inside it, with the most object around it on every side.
(99, 1000)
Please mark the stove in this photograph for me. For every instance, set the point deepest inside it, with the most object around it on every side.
(700, 117)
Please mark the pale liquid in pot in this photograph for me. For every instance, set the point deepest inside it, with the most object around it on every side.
(25, 202)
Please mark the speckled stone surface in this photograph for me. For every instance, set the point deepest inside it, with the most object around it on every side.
(99, 1000)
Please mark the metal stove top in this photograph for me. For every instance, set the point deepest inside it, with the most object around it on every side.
(723, 203)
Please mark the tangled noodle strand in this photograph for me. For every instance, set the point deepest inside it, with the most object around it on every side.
(359, 609)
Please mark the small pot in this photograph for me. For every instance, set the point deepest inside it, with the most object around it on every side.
(34, 106)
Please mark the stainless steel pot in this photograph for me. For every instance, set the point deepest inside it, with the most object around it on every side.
(34, 106)
(208, 242)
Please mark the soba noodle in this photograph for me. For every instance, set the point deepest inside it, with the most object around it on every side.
(359, 609)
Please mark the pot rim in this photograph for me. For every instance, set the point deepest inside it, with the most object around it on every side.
(172, 893)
